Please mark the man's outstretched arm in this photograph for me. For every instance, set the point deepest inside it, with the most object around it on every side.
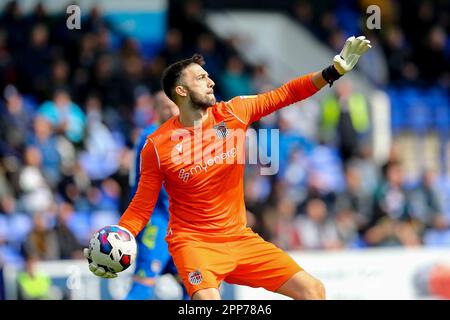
(251, 108)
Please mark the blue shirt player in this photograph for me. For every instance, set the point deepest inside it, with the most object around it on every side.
(153, 258)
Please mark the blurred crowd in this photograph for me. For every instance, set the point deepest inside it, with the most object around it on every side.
(73, 103)
(330, 192)
(410, 47)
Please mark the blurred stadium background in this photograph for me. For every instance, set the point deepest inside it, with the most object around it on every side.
(362, 196)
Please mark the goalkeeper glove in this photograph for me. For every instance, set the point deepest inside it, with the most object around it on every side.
(96, 269)
(353, 49)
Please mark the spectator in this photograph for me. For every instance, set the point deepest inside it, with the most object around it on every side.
(367, 168)
(207, 47)
(39, 15)
(131, 79)
(59, 74)
(353, 202)
(36, 193)
(105, 82)
(426, 206)
(398, 55)
(173, 49)
(15, 121)
(45, 140)
(121, 177)
(95, 22)
(33, 284)
(353, 207)
(261, 81)
(74, 186)
(144, 112)
(35, 62)
(303, 13)
(12, 21)
(345, 119)
(235, 80)
(6, 190)
(42, 241)
(433, 62)
(316, 229)
(101, 156)
(391, 222)
(69, 247)
(284, 233)
(66, 117)
(187, 16)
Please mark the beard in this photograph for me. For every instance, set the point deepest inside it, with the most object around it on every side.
(202, 102)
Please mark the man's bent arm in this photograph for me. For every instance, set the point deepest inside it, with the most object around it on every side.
(138, 213)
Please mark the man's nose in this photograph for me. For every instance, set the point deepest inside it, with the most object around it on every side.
(211, 83)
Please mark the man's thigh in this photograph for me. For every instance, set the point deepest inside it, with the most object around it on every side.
(261, 264)
(202, 265)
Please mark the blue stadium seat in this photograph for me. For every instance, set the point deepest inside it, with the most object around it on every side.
(415, 110)
(19, 225)
(397, 118)
(439, 103)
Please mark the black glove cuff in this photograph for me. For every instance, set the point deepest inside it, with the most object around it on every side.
(330, 74)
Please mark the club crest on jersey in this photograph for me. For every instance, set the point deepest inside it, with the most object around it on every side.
(195, 277)
(221, 130)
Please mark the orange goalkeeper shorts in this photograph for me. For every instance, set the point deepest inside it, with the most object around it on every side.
(249, 261)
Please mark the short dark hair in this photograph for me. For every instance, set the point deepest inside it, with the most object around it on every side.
(172, 73)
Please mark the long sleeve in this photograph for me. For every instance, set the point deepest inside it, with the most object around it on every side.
(249, 109)
(139, 211)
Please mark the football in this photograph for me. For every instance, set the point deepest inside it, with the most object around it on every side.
(114, 248)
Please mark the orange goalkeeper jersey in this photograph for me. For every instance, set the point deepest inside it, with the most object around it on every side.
(202, 167)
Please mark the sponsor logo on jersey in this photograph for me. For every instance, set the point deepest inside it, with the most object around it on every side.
(195, 277)
(205, 165)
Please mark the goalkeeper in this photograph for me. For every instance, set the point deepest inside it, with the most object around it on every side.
(207, 234)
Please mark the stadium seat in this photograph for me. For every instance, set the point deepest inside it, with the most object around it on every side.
(19, 225)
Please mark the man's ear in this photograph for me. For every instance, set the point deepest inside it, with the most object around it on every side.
(181, 91)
